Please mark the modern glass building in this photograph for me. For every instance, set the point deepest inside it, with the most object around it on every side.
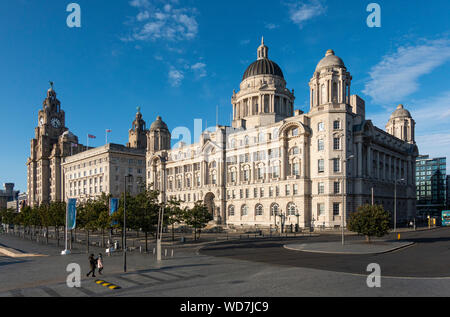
(431, 182)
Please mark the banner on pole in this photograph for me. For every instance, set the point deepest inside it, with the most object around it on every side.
(71, 214)
(113, 205)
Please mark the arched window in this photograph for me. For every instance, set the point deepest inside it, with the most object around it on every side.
(244, 210)
(261, 137)
(259, 210)
(291, 209)
(274, 209)
(231, 211)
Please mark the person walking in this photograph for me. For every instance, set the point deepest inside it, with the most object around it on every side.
(92, 264)
(100, 263)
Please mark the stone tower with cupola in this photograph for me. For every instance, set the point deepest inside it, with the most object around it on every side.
(137, 136)
(158, 137)
(263, 98)
(402, 125)
(52, 142)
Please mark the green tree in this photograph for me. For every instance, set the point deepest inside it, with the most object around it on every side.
(57, 216)
(370, 221)
(89, 213)
(175, 214)
(104, 218)
(44, 214)
(197, 217)
(34, 218)
(146, 213)
(8, 217)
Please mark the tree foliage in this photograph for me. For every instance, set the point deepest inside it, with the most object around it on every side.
(370, 221)
(197, 217)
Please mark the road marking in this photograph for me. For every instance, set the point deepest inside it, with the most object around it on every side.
(17, 293)
(50, 292)
(107, 284)
(130, 280)
(171, 274)
(85, 291)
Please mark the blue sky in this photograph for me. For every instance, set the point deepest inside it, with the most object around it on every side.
(182, 59)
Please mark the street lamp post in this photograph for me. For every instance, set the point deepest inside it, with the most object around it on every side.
(125, 224)
(161, 213)
(395, 203)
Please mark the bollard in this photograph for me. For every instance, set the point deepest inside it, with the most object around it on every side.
(165, 252)
(140, 249)
(172, 253)
(153, 251)
(399, 236)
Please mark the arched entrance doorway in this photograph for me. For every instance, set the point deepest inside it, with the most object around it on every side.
(209, 202)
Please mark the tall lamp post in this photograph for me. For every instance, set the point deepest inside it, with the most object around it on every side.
(344, 209)
(125, 224)
(395, 202)
(161, 213)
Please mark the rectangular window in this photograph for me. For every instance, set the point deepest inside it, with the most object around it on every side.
(321, 166)
(321, 126)
(321, 145)
(336, 209)
(336, 125)
(321, 188)
(336, 165)
(337, 187)
(321, 209)
(288, 190)
(295, 189)
(337, 143)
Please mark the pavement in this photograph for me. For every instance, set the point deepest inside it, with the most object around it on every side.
(251, 268)
(351, 247)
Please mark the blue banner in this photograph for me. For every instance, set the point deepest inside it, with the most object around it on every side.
(113, 205)
(71, 214)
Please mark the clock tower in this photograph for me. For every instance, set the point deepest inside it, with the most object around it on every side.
(52, 142)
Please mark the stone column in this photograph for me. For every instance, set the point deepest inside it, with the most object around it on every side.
(284, 158)
(360, 159)
(369, 161)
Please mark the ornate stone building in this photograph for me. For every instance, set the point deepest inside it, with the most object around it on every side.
(279, 166)
(60, 168)
(52, 142)
(103, 169)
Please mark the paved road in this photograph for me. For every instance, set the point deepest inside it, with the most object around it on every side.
(428, 257)
(227, 273)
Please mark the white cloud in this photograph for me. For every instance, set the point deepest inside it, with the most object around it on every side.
(397, 75)
(271, 26)
(435, 145)
(175, 77)
(199, 70)
(144, 15)
(157, 22)
(302, 11)
(431, 116)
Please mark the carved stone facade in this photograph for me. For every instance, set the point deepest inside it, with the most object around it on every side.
(52, 142)
(276, 166)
